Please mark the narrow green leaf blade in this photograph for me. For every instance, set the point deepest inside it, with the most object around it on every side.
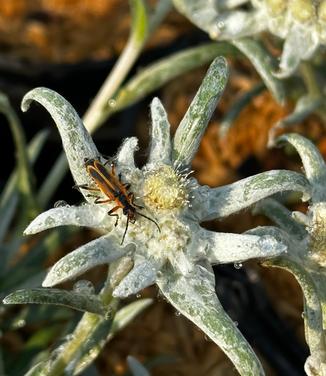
(105, 331)
(139, 26)
(164, 70)
(25, 174)
(78, 301)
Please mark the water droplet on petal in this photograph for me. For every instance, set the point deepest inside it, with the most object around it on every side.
(177, 313)
(84, 287)
(112, 102)
(238, 265)
(60, 203)
(138, 296)
(236, 323)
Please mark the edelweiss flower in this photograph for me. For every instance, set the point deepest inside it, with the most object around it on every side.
(179, 256)
(302, 23)
(305, 237)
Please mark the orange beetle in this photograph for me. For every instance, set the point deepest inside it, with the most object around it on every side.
(112, 187)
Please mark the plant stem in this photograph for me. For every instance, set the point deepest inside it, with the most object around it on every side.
(309, 79)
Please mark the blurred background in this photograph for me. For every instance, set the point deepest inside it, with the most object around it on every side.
(70, 46)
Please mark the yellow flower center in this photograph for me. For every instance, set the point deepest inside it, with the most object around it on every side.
(164, 188)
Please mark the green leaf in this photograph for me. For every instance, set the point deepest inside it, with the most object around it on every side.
(194, 296)
(195, 121)
(9, 198)
(25, 180)
(261, 59)
(105, 331)
(78, 301)
(139, 26)
(164, 70)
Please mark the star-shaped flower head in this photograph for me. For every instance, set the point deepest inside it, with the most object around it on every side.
(178, 255)
(305, 236)
(301, 23)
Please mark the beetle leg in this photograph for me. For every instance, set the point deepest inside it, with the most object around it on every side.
(89, 195)
(132, 200)
(100, 201)
(112, 214)
(86, 187)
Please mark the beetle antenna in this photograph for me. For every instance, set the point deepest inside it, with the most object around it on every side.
(150, 219)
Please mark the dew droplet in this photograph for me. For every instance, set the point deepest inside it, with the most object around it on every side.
(138, 296)
(112, 102)
(303, 315)
(84, 287)
(68, 337)
(177, 313)
(20, 323)
(60, 203)
(235, 323)
(221, 25)
(238, 265)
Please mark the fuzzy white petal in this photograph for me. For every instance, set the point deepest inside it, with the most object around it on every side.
(142, 275)
(300, 44)
(235, 24)
(223, 248)
(85, 215)
(194, 296)
(192, 126)
(161, 142)
(125, 156)
(76, 141)
(181, 263)
(97, 252)
(223, 201)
